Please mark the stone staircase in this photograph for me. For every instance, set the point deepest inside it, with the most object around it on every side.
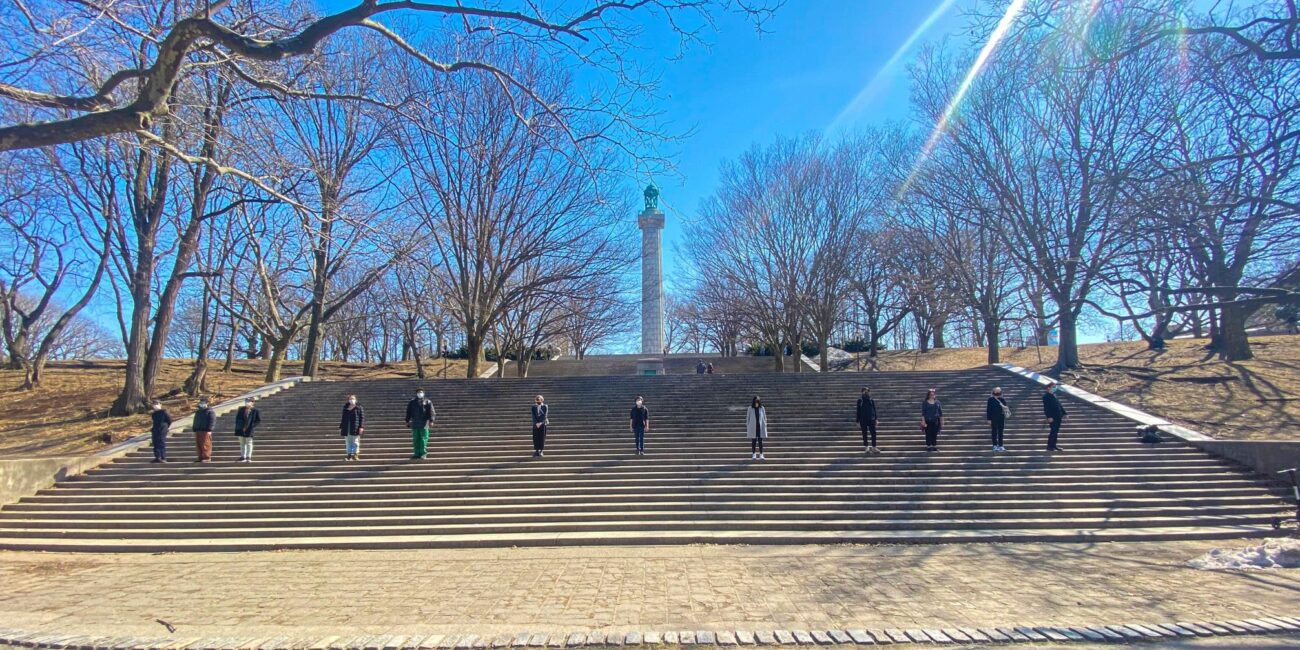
(697, 483)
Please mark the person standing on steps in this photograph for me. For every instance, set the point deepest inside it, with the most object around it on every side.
(931, 419)
(866, 416)
(639, 423)
(700, 368)
(204, 418)
(541, 419)
(351, 426)
(1054, 411)
(997, 412)
(161, 423)
(246, 420)
(756, 428)
(709, 370)
(419, 415)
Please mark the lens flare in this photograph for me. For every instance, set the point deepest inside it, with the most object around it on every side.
(872, 87)
(1008, 19)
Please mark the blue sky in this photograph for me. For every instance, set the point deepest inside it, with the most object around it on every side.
(815, 58)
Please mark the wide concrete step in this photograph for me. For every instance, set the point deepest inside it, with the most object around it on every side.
(700, 535)
(316, 528)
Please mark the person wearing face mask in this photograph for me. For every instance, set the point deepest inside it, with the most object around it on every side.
(419, 415)
(996, 412)
(866, 416)
(161, 423)
(352, 426)
(204, 418)
(246, 420)
(756, 428)
(931, 419)
(541, 419)
(640, 424)
(1054, 412)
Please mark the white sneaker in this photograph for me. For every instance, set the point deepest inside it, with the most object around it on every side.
(762, 457)
(753, 456)
(875, 450)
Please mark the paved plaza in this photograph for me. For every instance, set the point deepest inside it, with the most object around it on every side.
(500, 593)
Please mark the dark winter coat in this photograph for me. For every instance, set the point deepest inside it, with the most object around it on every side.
(419, 413)
(931, 412)
(1052, 407)
(541, 413)
(246, 421)
(204, 419)
(866, 411)
(354, 420)
(994, 412)
(162, 421)
(640, 415)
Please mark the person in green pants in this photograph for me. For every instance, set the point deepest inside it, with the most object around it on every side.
(419, 415)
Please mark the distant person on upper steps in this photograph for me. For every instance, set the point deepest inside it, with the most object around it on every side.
(161, 423)
(246, 420)
(997, 412)
(351, 426)
(931, 419)
(541, 419)
(204, 418)
(1054, 411)
(756, 428)
(700, 368)
(419, 415)
(867, 417)
(639, 423)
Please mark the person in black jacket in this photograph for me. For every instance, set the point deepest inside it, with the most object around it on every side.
(1054, 411)
(931, 419)
(996, 414)
(162, 422)
(541, 420)
(246, 420)
(866, 417)
(351, 426)
(419, 415)
(204, 419)
(639, 423)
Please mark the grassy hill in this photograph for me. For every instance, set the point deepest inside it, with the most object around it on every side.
(1250, 400)
(67, 415)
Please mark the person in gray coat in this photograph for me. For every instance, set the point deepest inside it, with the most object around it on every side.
(756, 428)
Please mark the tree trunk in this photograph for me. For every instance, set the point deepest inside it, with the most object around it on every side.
(1234, 343)
(1067, 353)
(311, 357)
(474, 354)
(196, 383)
(824, 360)
(132, 398)
(992, 330)
(936, 329)
(229, 364)
(276, 359)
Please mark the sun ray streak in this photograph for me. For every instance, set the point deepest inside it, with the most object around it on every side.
(1008, 19)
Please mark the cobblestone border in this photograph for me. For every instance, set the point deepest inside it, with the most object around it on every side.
(1124, 633)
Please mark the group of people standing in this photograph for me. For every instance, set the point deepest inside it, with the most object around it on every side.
(996, 412)
(420, 415)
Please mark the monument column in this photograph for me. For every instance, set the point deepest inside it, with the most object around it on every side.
(651, 223)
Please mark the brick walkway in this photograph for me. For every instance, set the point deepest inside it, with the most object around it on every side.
(303, 594)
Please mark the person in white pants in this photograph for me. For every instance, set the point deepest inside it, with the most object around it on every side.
(351, 427)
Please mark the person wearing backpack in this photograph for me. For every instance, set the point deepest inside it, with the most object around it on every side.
(997, 412)
(1054, 411)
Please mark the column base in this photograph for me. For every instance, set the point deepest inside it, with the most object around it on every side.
(650, 366)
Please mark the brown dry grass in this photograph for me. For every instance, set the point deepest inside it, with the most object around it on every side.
(1250, 400)
(67, 415)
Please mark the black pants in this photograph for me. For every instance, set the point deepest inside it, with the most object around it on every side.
(539, 438)
(997, 427)
(1052, 433)
(159, 441)
(868, 434)
(756, 445)
(931, 433)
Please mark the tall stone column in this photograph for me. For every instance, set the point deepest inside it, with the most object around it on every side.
(651, 222)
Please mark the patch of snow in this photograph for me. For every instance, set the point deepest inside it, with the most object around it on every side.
(1273, 554)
